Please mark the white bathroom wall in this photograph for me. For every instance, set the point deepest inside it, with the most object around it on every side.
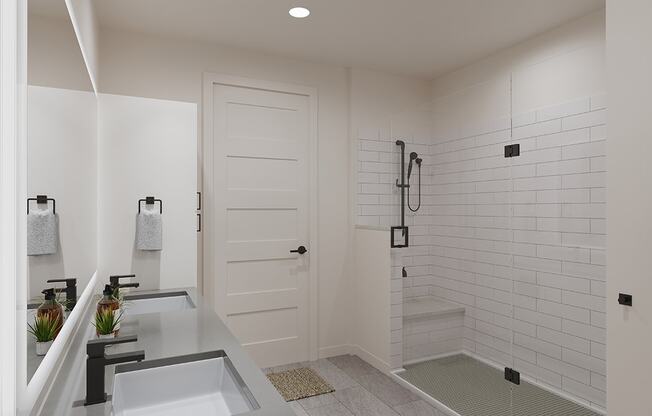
(135, 64)
(376, 96)
(378, 198)
(372, 288)
(147, 147)
(377, 104)
(377, 120)
(54, 57)
(569, 39)
(62, 163)
(528, 231)
(629, 331)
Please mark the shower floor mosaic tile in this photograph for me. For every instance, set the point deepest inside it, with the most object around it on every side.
(472, 388)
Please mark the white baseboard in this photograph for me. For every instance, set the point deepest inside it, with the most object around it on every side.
(346, 349)
(370, 358)
(334, 350)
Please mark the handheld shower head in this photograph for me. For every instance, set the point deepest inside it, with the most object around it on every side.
(418, 161)
(413, 156)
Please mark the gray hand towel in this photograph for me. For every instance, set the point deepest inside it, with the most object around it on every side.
(42, 232)
(149, 230)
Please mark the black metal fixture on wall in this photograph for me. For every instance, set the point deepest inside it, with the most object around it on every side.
(402, 186)
(43, 199)
(414, 157)
(150, 200)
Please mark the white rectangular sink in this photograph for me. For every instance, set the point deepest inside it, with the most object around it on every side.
(208, 384)
(138, 304)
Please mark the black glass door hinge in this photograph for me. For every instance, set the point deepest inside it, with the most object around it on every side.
(512, 376)
(512, 150)
(625, 299)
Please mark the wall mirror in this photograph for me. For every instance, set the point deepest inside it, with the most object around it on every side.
(61, 178)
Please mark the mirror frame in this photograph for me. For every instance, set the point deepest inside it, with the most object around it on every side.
(24, 397)
(13, 76)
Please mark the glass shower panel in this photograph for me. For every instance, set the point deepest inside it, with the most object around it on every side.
(457, 297)
(558, 203)
(502, 303)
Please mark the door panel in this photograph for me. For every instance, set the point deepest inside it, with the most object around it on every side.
(256, 198)
(260, 250)
(272, 122)
(255, 172)
(261, 276)
(262, 148)
(261, 224)
(263, 327)
(260, 154)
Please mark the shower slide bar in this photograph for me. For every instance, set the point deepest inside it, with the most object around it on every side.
(404, 186)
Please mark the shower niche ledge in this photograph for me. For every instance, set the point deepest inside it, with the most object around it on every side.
(431, 328)
(428, 306)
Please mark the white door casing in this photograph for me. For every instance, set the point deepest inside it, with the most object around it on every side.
(260, 200)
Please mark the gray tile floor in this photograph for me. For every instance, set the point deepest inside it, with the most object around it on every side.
(360, 390)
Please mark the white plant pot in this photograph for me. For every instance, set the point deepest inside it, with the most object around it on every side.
(106, 336)
(42, 348)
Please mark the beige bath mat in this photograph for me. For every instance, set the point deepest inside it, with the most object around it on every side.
(299, 383)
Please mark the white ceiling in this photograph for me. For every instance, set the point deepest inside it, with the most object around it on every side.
(423, 38)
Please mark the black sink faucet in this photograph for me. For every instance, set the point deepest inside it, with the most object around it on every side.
(114, 281)
(96, 361)
(71, 291)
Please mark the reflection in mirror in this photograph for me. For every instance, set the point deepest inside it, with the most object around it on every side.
(61, 170)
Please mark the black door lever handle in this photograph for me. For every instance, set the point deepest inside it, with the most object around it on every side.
(300, 250)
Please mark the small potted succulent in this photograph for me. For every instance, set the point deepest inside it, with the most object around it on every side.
(44, 330)
(107, 323)
(122, 304)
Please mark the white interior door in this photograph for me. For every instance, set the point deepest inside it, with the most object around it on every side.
(260, 175)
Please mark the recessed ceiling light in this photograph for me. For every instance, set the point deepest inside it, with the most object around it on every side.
(299, 12)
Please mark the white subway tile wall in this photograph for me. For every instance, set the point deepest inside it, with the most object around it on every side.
(432, 336)
(520, 242)
(379, 205)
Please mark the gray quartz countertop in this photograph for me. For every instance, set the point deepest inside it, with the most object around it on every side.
(164, 335)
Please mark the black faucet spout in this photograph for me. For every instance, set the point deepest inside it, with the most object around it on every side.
(135, 284)
(116, 285)
(115, 279)
(97, 360)
(124, 357)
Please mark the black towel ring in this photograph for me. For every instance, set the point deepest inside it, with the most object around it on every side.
(43, 199)
(150, 200)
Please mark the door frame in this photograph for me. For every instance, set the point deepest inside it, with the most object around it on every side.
(209, 80)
